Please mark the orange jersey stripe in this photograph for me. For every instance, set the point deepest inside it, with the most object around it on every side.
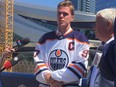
(39, 66)
(77, 68)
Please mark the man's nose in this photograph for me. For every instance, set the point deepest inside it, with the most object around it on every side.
(61, 15)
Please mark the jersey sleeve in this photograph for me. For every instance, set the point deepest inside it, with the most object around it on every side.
(76, 69)
(41, 67)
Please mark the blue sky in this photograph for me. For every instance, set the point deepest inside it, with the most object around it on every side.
(50, 3)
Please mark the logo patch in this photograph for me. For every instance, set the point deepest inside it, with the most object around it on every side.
(58, 59)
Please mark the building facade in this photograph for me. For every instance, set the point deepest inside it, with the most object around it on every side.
(84, 5)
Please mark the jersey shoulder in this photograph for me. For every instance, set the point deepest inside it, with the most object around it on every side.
(47, 36)
(78, 35)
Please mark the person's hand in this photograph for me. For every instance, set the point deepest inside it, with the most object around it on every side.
(51, 81)
(8, 51)
(56, 84)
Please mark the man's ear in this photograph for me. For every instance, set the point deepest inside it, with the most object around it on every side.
(109, 25)
(72, 18)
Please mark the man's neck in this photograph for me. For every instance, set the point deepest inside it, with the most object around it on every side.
(61, 32)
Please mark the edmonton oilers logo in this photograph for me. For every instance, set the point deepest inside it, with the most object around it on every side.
(58, 59)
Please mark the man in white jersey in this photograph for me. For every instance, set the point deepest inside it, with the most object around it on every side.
(102, 73)
(61, 56)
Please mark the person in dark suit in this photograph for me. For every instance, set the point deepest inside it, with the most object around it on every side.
(108, 61)
(103, 74)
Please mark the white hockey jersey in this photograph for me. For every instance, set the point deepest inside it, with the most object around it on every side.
(65, 57)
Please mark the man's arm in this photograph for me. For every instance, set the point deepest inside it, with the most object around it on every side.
(40, 68)
(43, 75)
(75, 70)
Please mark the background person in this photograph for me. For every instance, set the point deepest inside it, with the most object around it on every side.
(61, 56)
(101, 75)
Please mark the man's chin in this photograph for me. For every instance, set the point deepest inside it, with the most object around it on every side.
(62, 25)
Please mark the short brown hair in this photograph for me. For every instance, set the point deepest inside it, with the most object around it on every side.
(67, 3)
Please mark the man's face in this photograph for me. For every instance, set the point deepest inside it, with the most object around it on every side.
(100, 28)
(64, 16)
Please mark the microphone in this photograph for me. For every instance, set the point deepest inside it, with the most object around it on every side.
(12, 62)
(21, 43)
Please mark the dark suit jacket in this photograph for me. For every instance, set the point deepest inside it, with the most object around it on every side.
(108, 62)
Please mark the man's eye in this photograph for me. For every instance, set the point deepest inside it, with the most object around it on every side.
(61, 13)
(65, 14)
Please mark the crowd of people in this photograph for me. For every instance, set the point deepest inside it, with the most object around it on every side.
(61, 56)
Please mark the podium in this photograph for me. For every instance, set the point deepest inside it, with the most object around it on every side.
(14, 79)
